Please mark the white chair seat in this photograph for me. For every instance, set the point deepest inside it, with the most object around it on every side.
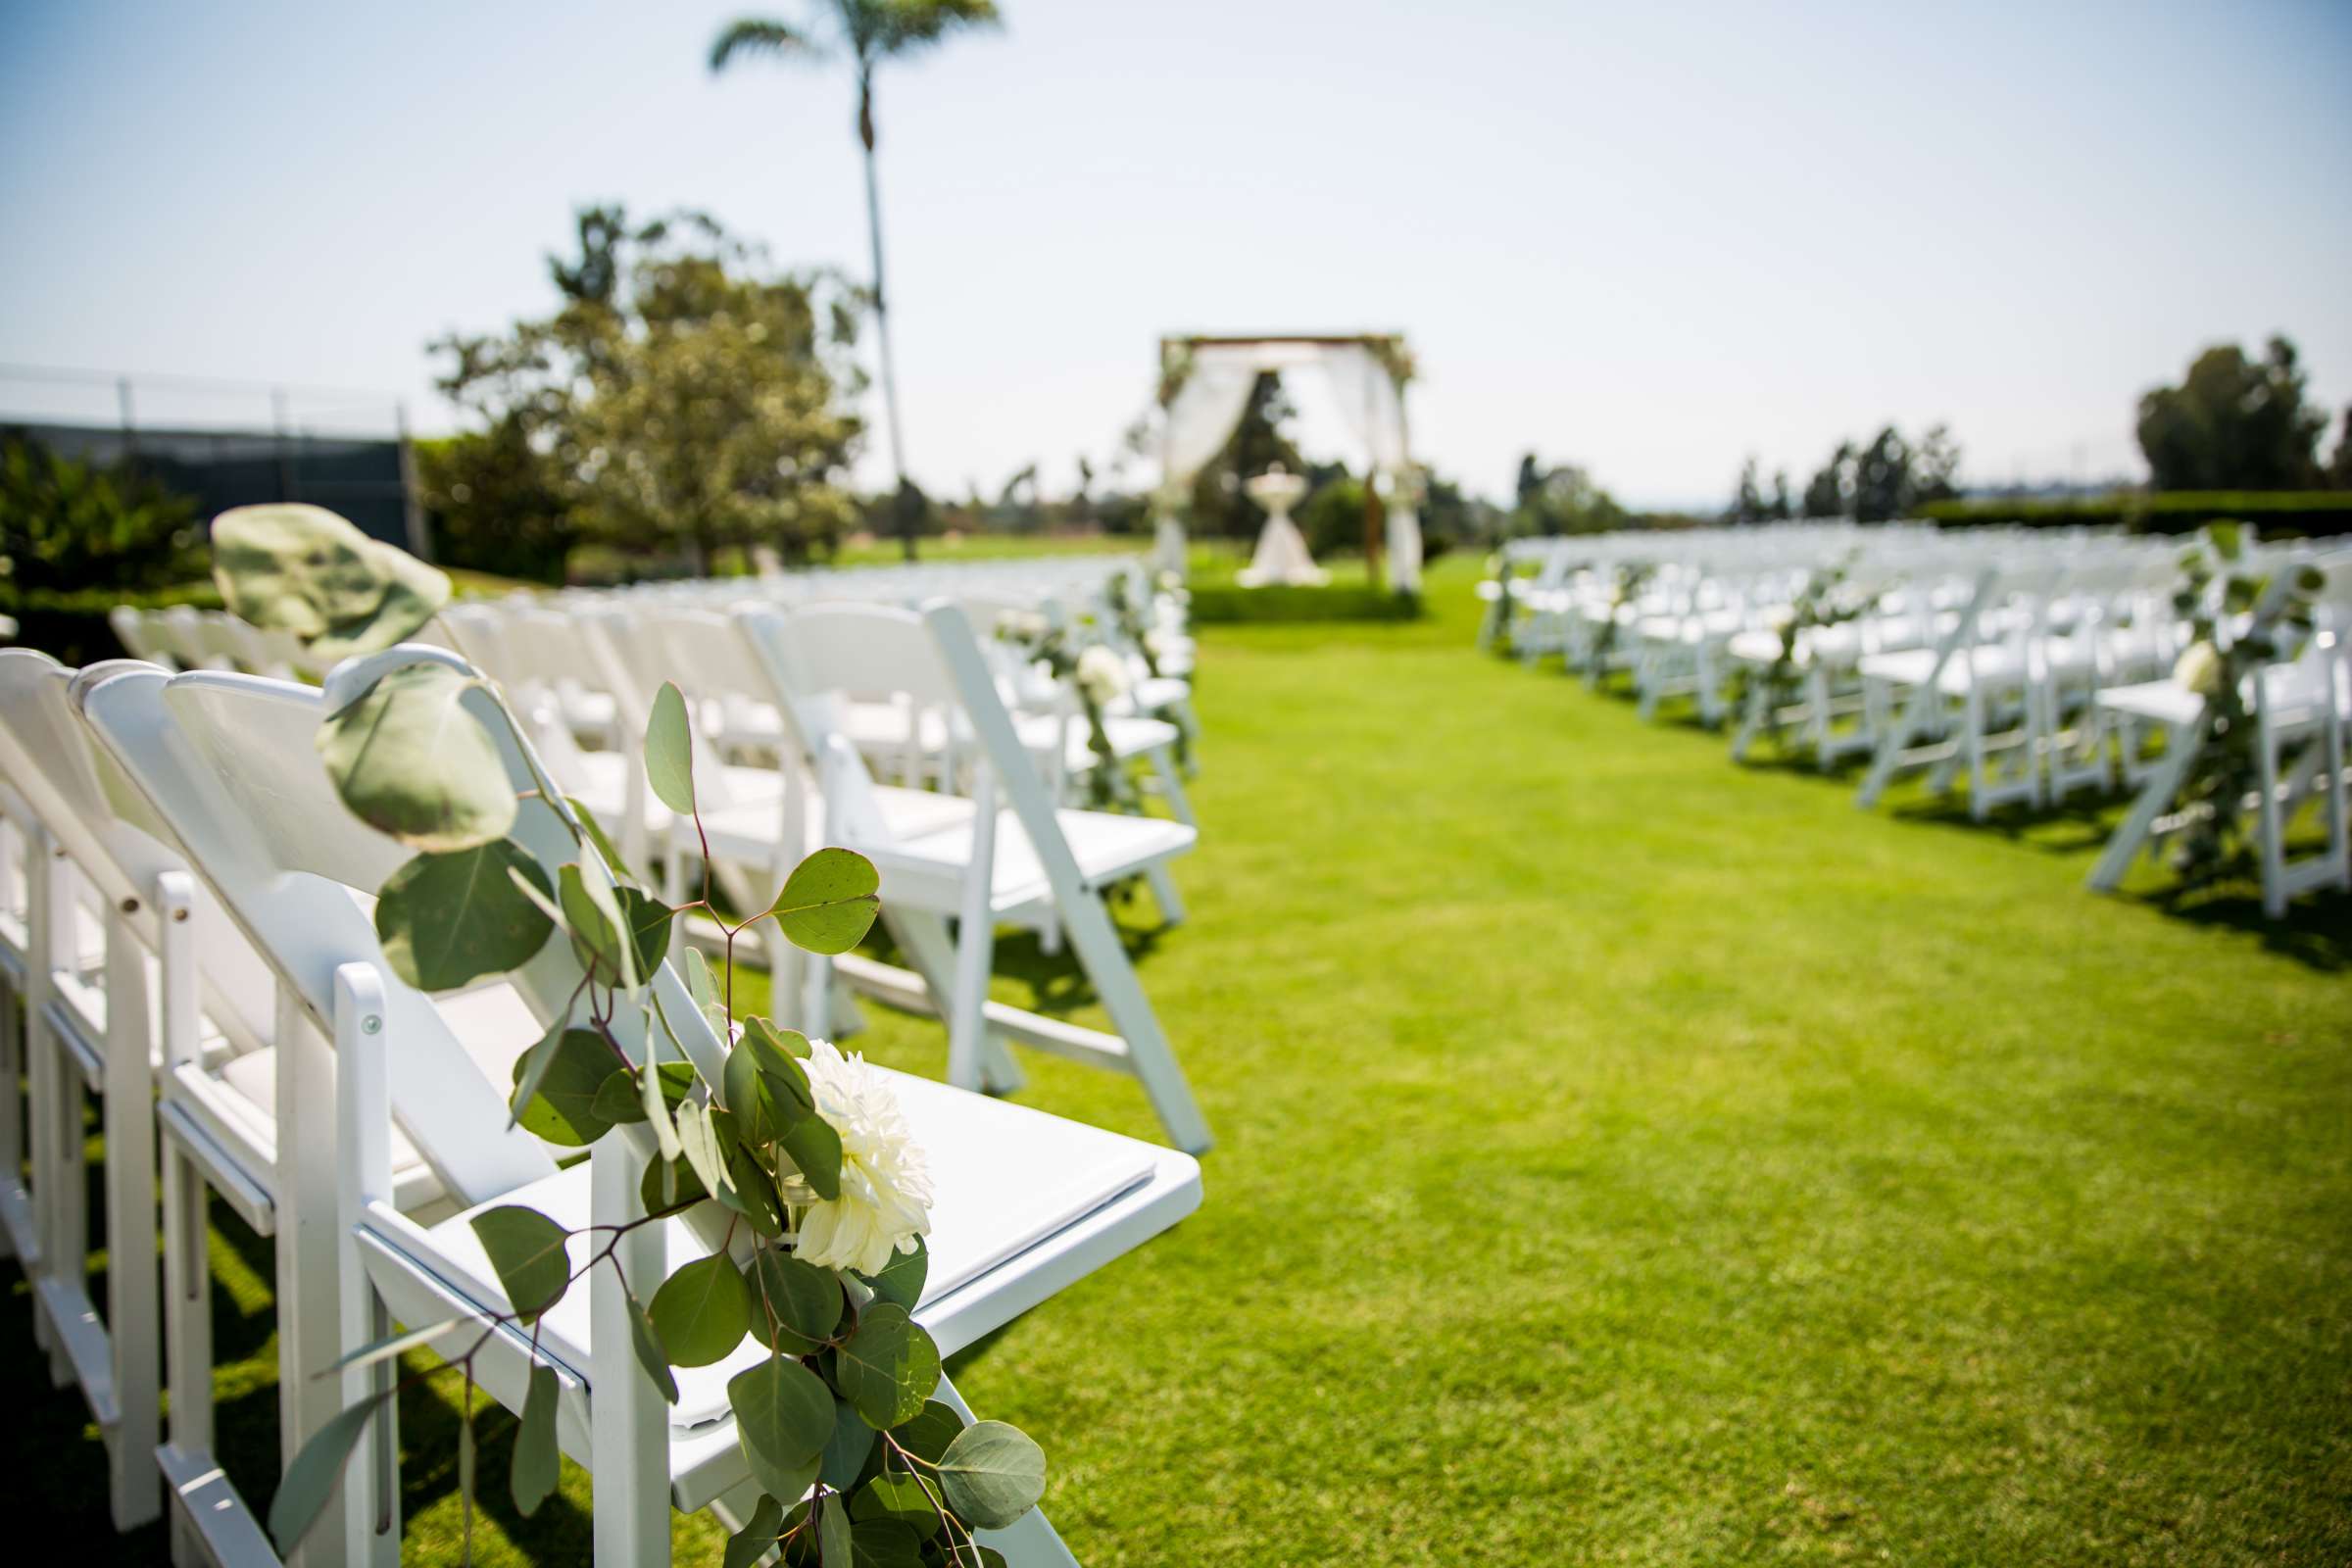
(1007, 1177)
(1837, 646)
(602, 786)
(1155, 692)
(1106, 846)
(1128, 737)
(746, 832)
(2165, 702)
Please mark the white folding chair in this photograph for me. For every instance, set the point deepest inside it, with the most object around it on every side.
(1004, 854)
(1027, 1202)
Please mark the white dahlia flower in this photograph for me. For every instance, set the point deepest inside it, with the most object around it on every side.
(2199, 668)
(885, 1199)
(1101, 674)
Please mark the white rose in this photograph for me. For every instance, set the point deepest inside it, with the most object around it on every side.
(1101, 674)
(885, 1200)
(2199, 668)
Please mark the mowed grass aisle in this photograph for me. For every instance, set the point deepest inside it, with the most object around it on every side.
(1626, 1157)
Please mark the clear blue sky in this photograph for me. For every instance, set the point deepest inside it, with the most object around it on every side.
(1647, 239)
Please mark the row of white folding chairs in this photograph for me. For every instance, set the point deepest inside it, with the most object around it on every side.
(254, 984)
(985, 843)
(184, 637)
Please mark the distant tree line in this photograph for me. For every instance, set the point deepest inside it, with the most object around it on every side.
(2234, 423)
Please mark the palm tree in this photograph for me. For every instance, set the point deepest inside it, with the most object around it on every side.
(869, 31)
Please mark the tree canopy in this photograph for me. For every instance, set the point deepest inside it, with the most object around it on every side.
(2234, 423)
(679, 397)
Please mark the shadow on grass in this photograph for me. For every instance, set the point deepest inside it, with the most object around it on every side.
(2086, 822)
(2315, 931)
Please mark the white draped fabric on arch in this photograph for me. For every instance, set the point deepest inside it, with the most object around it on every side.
(1206, 387)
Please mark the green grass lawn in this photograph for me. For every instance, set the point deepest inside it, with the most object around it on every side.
(1630, 1157)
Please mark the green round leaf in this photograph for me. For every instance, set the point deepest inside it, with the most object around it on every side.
(829, 901)
(992, 1473)
(411, 761)
(311, 1479)
(445, 921)
(527, 1250)
(795, 1305)
(647, 1347)
(304, 570)
(670, 752)
(783, 1416)
(895, 1496)
(884, 1543)
(648, 921)
(537, 1461)
(847, 1449)
(752, 1543)
(927, 1433)
(564, 1110)
(702, 1311)
(888, 1367)
(901, 1280)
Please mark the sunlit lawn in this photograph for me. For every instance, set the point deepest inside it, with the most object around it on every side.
(1630, 1157)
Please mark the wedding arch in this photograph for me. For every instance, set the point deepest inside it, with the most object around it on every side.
(1205, 385)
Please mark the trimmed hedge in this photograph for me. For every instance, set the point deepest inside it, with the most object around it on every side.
(1226, 604)
(69, 624)
(2273, 512)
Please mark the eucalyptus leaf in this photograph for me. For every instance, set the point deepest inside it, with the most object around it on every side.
(670, 752)
(311, 1479)
(901, 1280)
(445, 921)
(834, 1543)
(697, 1139)
(752, 1543)
(533, 1066)
(592, 914)
(888, 1366)
(390, 1346)
(596, 832)
(884, 1543)
(751, 1191)
(669, 1185)
(829, 901)
(895, 1496)
(411, 761)
(563, 1109)
(526, 1248)
(647, 1346)
(816, 1150)
(537, 1461)
(304, 570)
(847, 1449)
(992, 1473)
(647, 920)
(795, 1305)
(927, 1433)
(702, 1311)
(783, 1416)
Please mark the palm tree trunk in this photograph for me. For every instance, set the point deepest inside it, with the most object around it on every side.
(907, 515)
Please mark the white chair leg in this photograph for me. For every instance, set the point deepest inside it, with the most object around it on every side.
(1164, 894)
(1172, 785)
(629, 1423)
(1096, 941)
(128, 1115)
(310, 1260)
(2155, 795)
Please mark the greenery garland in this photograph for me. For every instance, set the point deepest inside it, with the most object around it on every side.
(1107, 786)
(1822, 602)
(1632, 576)
(855, 1461)
(2219, 584)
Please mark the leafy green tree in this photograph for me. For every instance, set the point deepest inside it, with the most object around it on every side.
(497, 503)
(1830, 492)
(869, 33)
(2339, 466)
(2233, 423)
(67, 525)
(681, 400)
(1563, 499)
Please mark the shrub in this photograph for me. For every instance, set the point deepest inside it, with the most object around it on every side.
(2275, 513)
(1229, 606)
(65, 524)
